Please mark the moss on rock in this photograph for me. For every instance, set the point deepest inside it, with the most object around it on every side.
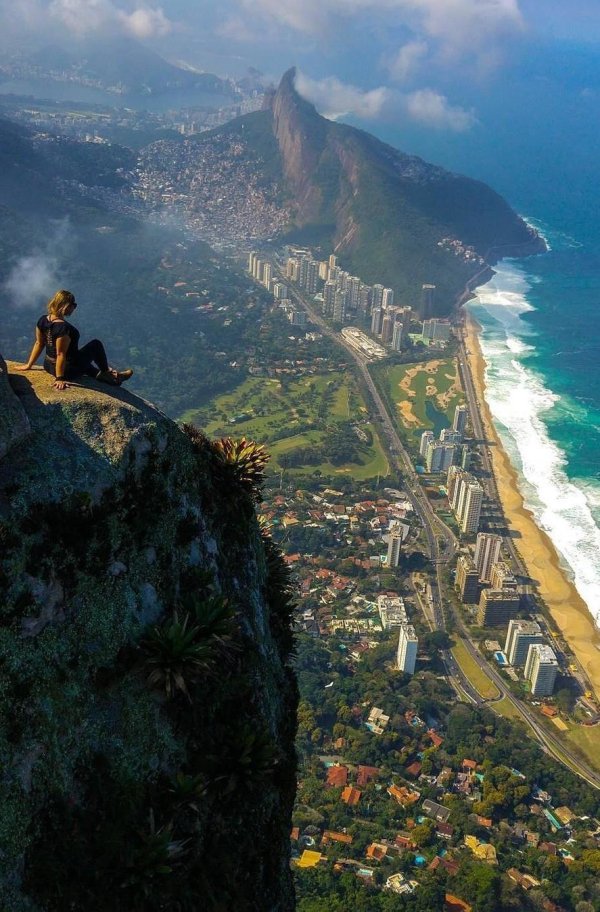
(113, 521)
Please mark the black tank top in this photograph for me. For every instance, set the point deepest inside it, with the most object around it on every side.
(52, 330)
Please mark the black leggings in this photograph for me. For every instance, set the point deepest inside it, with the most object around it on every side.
(89, 360)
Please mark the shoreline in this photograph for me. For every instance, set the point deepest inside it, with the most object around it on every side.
(567, 608)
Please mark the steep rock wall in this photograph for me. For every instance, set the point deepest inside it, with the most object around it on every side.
(117, 531)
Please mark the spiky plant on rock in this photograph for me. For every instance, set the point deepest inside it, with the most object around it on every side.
(244, 462)
(176, 654)
(280, 592)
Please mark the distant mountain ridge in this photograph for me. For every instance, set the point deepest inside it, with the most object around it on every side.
(388, 212)
(391, 217)
(121, 65)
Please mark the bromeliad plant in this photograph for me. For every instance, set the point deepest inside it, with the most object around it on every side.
(176, 654)
(245, 462)
(181, 650)
(247, 760)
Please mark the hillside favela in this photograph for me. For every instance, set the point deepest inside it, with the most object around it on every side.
(299, 488)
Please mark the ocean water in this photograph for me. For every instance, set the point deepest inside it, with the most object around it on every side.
(540, 321)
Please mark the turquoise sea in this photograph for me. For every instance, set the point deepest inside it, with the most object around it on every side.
(536, 142)
(540, 321)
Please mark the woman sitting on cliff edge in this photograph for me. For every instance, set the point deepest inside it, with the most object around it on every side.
(64, 359)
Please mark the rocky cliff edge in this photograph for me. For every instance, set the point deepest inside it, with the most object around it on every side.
(147, 705)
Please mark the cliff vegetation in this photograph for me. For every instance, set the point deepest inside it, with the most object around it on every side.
(147, 703)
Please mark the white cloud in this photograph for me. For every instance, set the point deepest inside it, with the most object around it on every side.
(336, 99)
(146, 23)
(83, 17)
(429, 107)
(407, 60)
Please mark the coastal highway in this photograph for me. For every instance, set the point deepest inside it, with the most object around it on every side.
(555, 745)
(436, 530)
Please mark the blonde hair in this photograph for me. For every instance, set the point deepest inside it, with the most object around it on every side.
(59, 303)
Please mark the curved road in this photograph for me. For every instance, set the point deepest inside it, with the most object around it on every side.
(434, 526)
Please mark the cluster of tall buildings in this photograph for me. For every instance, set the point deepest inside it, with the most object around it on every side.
(498, 604)
(344, 296)
(393, 616)
(439, 453)
(499, 600)
(465, 496)
(526, 648)
(262, 271)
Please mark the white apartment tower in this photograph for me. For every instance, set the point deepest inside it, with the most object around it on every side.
(461, 416)
(387, 298)
(376, 320)
(471, 510)
(427, 437)
(520, 636)
(487, 553)
(439, 456)
(394, 545)
(541, 668)
(266, 275)
(408, 646)
(377, 295)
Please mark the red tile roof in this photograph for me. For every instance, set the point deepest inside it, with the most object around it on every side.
(337, 775)
(351, 796)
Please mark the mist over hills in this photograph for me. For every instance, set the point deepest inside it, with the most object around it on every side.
(117, 63)
(390, 217)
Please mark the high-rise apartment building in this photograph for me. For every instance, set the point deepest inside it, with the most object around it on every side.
(377, 293)
(251, 260)
(471, 508)
(339, 306)
(436, 330)
(376, 320)
(502, 577)
(387, 328)
(394, 544)
(467, 580)
(329, 298)
(391, 611)
(453, 480)
(387, 298)
(541, 669)
(520, 636)
(266, 275)
(447, 435)
(398, 336)
(408, 646)
(439, 456)
(497, 607)
(427, 437)
(312, 276)
(427, 301)
(487, 553)
(461, 417)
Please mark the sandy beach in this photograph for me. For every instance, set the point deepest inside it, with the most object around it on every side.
(569, 611)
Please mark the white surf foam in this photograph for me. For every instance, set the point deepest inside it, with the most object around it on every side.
(519, 401)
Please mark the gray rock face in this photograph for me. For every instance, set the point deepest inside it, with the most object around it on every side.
(115, 525)
(14, 424)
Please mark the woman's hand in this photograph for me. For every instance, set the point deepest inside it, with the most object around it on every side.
(61, 385)
(23, 367)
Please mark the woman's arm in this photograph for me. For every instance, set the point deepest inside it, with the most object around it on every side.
(36, 351)
(62, 347)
